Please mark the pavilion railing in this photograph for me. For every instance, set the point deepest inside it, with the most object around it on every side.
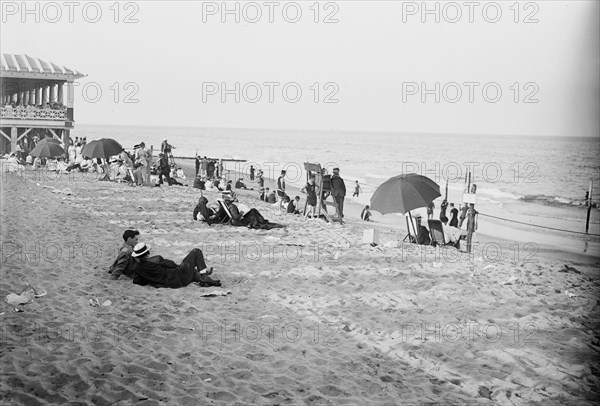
(33, 114)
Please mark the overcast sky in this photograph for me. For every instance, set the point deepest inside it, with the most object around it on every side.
(373, 60)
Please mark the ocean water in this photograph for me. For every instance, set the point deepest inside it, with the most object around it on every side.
(552, 171)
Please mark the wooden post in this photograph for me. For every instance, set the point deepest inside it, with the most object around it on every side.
(471, 221)
(446, 195)
(320, 194)
(589, 210)
(13, 139)
(469, 183)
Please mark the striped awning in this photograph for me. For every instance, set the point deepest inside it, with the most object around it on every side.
(29, 66)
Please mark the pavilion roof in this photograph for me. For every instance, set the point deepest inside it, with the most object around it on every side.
(31, 67)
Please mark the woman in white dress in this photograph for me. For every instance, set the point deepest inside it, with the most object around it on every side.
(78, 156)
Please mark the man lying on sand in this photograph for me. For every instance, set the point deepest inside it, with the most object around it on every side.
(123, 263)
(164, 273)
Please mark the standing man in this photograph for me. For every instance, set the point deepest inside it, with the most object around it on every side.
(430, 208)
(281, 188)
(251, 172)
(338, 191)
(123, 264)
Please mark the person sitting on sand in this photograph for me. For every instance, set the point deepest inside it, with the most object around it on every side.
(292, 207)
(271, 198)
(202, 211)
(199, 183)
(366, 214)
(229, 187)
(123, 263)
(240, 185)
(159, 272)
(265, 195)
(173, 178)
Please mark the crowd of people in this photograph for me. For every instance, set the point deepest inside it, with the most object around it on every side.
(51, 105)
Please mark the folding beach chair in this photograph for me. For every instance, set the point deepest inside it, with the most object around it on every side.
(226, 210)
(436, 229)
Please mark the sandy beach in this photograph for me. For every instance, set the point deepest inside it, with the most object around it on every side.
(307, 315)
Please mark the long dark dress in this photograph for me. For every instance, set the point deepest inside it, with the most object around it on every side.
(454, 219)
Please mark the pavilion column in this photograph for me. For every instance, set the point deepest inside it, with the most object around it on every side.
(26, 98)
(52, 93)
(40, 95)
(44, 94)
(70, 99)
(61, 94)
(32, 97)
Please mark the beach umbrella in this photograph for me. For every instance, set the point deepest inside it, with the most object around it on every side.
(102, 148)
(50, 140)
(403, 193)
(47, 150)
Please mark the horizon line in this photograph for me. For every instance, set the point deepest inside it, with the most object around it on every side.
(383, 132)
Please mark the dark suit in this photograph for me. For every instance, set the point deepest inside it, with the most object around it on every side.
(338, 191)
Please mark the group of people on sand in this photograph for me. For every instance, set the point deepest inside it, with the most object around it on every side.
(135, 262)
(228, 210)
(333, 185)
(455, 219)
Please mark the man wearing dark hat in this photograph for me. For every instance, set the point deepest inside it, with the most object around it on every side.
(338, 191)
(164, 273)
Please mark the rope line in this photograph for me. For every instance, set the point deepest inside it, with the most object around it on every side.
(535, 225)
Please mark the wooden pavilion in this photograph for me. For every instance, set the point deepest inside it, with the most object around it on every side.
(37, 99)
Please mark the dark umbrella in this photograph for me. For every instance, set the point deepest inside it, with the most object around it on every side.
(403, 193)
(47, 150)
(50, 140)
(102, 148)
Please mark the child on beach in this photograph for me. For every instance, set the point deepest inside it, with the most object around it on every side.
(365, 215)
(357, 190)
